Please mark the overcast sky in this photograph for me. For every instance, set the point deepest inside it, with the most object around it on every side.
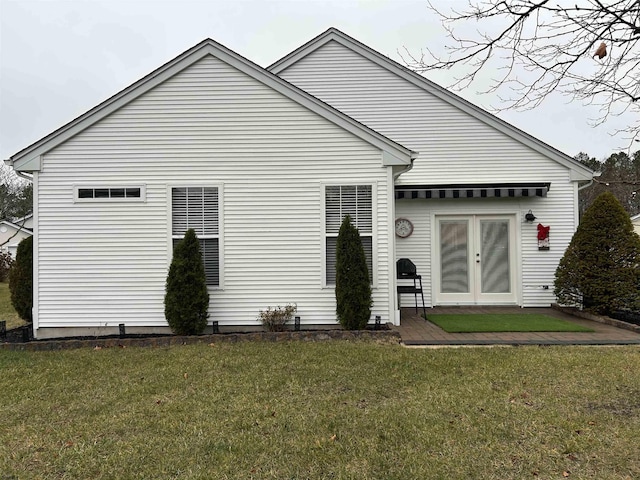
(58, 58)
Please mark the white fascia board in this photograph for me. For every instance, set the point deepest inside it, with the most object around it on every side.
(578, 171)
(28, 164)
(579, 175)
(28, 159)
(388, 159)
(17, 227)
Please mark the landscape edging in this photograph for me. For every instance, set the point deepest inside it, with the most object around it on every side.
(597, 318)
(377, 336)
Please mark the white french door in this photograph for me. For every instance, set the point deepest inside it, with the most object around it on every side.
(476, 259)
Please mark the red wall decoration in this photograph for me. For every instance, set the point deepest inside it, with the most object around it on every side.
(543, 237)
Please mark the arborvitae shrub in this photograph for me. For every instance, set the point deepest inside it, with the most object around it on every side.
(353, 287)
(21, 280)
(6, 262)
(186, 301)
(601, 267)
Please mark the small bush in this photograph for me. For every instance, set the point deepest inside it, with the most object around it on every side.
(353, 287)
(274, 320)
(21, 280)
(600, 269)
(6, 262)
(186, 301)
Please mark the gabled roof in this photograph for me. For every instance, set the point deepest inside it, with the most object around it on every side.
(578, 171)
(23, 219)
(17, 227)
(28, 159)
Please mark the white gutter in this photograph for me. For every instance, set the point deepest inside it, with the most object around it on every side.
(404, 170)
(590, 182)
(8, 162)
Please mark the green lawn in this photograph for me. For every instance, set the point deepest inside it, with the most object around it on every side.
(7, 312)
(525, 322)
(328, 410)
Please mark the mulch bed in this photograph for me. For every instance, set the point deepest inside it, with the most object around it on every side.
(627, 316)
(21, 338)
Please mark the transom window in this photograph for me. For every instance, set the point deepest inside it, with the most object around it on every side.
(357, 202)
(122, 193)
(197, 208)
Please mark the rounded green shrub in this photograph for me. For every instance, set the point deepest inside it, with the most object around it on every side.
(21, 280)
(353, 286)
(186, 300)
(600, 269)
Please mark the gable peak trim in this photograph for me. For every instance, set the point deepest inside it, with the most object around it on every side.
(24, 159)
(579, 172)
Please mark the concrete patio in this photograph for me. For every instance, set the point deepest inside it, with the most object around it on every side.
(414, 330)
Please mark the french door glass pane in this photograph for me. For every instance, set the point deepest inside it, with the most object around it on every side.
(454, 239)
(495, 256)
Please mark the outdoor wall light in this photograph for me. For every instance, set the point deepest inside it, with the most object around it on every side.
(530, 217)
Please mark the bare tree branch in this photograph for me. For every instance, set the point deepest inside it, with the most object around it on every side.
(21, 228)
(542, 47)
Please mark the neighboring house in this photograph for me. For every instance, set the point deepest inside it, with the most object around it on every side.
(265, 170)
(635, 220)
(13, 232)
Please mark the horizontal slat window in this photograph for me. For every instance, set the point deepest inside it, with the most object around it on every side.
(351, 200)
(357, 202)
(101, 194)
(197, 208)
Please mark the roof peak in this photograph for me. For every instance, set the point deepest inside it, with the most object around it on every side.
(581, 172)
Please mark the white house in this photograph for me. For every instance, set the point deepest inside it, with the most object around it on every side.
(474, 181)
(13, 232)
(264, 165)
(261, 169)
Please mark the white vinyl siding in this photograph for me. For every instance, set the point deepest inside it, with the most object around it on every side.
(101, 264)
(454, 148)
(357, 202)
(197, 208)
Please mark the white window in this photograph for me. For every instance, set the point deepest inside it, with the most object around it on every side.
(197, 208)
(123, 193)
(357, 202)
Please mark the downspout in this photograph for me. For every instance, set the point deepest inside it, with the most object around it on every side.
(26, 176)
(393, 284)
(590, 182)
(404, 170)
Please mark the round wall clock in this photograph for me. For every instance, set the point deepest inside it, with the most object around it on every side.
(404, 227)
